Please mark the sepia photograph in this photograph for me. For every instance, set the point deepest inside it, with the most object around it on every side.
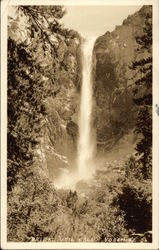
(80, 148)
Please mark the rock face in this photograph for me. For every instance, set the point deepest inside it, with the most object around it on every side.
(114, 112)
(57, 146)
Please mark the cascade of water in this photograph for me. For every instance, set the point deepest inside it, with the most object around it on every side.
(86, 145)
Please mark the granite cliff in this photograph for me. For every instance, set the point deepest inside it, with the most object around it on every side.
(44, 82)
(114, 53)
(58, 143)
(114, 111)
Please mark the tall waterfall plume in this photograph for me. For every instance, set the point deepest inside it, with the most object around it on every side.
(86, 144)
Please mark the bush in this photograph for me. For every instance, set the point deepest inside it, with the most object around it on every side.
(135, 199)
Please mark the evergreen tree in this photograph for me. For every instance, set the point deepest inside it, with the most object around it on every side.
(34, 210)
(143, 97)
(32, 65)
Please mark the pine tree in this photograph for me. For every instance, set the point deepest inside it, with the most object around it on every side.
(143, 97)
(32, 60)
(32, 66)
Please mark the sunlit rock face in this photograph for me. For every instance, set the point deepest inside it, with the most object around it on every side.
(114, 53)
(113, 110)
(57, 149)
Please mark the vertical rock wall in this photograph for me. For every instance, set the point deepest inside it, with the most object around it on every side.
(57, 148)
(114, 52)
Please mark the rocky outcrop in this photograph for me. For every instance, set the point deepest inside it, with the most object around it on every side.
(114, 53)
(114, 111)
(58, 143)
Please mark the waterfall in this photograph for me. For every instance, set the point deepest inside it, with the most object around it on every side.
(86, 145)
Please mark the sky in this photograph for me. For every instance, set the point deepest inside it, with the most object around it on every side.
(93, 21)
(96, 20)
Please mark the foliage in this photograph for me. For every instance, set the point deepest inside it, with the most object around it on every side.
(136, 201)
(143, 97)
(25, 109)
(29, 205)
(36, 40)
(135, 198)
(109, 220)
(30, 81)
(37, 211)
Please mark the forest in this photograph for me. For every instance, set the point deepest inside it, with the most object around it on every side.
(44, 73)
